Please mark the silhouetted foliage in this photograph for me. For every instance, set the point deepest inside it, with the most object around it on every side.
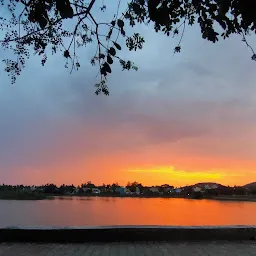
(66, 189)
(238, 190)
(50, 189)
(39, 25)
(134, 189)
(225, 190)
(132, 186)
(88, 184)
(115, 187)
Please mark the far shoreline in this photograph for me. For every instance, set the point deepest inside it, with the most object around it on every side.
(216, 198)
(38, 197)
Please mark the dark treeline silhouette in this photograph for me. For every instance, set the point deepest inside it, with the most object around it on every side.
(199, 190)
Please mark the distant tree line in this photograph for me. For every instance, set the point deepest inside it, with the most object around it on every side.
(133, 188)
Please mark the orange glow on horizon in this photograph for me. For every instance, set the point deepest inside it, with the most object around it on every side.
(171, 175)
(145, 166)
(147, 176)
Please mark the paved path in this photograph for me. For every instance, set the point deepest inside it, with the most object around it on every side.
(131, 249)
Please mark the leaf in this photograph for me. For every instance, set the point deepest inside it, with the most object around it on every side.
(113, 23)
(176, 31)
(103, 71)
(105, 91)
(112, 51)
(109, 59)
(66, 54)
(122, 32)
(42, 23)
(224, 7)
(120, 23)
(136, 8)
(64, 8)
(97, 92)
(118, 47)
(69, 12)
(109, 33)
(222, 23)
(101, 56)
(177, 49)
(103, 8)
(107, 67)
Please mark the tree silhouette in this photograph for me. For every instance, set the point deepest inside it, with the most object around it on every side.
(41, 25)
(133, 185)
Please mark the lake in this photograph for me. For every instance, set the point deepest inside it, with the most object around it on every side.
(90, 211)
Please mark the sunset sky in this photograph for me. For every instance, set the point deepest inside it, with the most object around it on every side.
(180, 119)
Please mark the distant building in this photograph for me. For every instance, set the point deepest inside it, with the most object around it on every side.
(33, 188)
(154, 189)
(178, 190)
(95, 191)
(86, 189)
(128, 191)
(168, 189)
(102, 188)
(137, 191)
(122, 191)
(197, 189)
(26, 189)
(76, 191)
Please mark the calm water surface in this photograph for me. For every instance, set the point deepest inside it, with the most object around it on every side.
(77, 211)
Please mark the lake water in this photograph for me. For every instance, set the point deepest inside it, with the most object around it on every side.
(90, 211)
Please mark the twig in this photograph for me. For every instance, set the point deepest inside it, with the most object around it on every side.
(184, 26)
(54, 23)
(247, 44)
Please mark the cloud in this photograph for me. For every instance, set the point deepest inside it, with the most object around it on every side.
(195, 110)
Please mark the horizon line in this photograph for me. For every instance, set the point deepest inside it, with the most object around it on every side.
(117, 183)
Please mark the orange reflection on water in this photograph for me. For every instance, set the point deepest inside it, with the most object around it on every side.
(82, 211)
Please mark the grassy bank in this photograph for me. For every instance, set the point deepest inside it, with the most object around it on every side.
(14, 195)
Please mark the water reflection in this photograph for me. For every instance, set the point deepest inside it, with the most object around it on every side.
(90, 211)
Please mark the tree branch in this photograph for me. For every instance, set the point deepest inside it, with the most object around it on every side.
(85, 13)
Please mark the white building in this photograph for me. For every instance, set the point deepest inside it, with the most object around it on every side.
(178, 190)
(86, 189)
(95, 191)
(154, 189)
(197, 189)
